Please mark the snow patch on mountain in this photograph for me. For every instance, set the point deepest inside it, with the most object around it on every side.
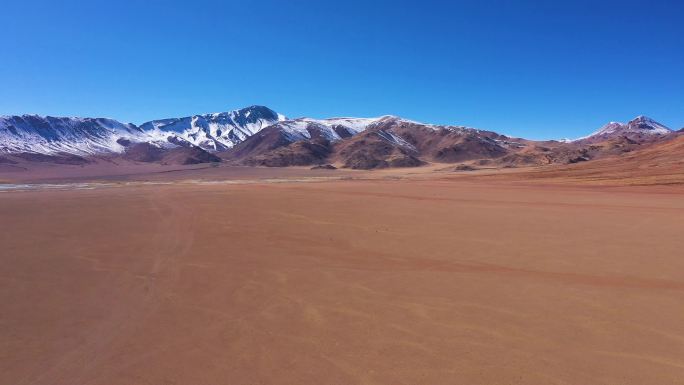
(355, 125)
(330, 129)
(395, 139)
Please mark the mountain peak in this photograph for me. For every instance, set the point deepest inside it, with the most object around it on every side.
(642, 119)
(254, 113)
(641, 126)
(645, 124)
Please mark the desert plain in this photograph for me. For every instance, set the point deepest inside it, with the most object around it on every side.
(294, 276)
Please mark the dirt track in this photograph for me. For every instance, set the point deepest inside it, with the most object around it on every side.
(345, 282)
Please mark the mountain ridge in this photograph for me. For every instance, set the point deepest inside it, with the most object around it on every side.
(258, 135)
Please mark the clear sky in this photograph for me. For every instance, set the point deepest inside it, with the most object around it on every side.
(538, 69)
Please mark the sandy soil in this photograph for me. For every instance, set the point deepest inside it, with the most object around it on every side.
(129, 171)
(419, 281)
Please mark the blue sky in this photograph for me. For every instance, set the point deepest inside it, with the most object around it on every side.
(538, 69)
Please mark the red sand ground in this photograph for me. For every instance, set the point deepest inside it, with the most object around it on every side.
(417, 281)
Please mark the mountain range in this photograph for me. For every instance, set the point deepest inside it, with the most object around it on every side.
(259, 136)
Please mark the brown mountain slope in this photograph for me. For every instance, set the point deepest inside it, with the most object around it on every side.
(393, 142)
(390, 142)
(60, 158)
(148, 153)
(302, 153)
(659, 163)
(449, 145)
(375, 149)
(265, 141)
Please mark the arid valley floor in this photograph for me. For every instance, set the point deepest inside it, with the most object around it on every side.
(292, 276)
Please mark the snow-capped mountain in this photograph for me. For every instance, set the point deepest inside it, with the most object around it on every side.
(257, 135)
(641, 127)
(334, 130)
(88, 136)
(647, 125)
(49, 135)
(213, 132)
(218, 131)
(386, 141)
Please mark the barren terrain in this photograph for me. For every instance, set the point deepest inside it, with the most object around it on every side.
(341, 277)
